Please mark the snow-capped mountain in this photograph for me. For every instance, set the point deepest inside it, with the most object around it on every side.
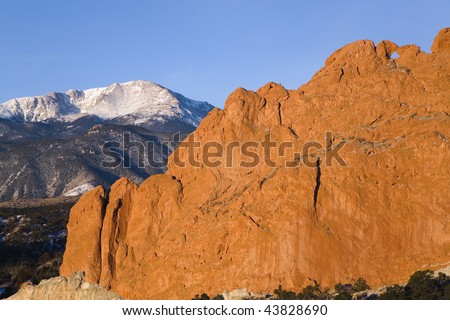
(135, 102)
(53, 145)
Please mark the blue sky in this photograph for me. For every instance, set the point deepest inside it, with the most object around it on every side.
(202, 49)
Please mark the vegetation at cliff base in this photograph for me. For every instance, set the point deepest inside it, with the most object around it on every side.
(422, 285)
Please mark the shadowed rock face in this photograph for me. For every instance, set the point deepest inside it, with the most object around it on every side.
(381, 217)
(62, 288)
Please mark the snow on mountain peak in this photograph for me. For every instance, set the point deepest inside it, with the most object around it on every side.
(143, 101)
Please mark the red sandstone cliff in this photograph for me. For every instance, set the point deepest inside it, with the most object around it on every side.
(382, 217)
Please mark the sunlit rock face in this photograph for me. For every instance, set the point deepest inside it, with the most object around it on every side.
(381, 213)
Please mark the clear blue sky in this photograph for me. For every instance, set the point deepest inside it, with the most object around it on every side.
(202, 49)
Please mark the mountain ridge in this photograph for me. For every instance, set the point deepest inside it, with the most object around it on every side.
(145, 100)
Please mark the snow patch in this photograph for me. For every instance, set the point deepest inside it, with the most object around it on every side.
(79, 190)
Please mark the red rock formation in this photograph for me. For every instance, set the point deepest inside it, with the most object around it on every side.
(209, 229)
(85, 226)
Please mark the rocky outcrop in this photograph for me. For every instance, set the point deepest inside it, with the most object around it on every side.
(62, 288)
(84, 253)
(442, 42)
(380, 212)
(242, 294)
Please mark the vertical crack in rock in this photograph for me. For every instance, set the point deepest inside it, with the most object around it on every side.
(316, 190)
(341, 75)
(113, 242)
(279, 114)
(103, 215)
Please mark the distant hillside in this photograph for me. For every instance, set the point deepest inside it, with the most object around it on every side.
(54, 145)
